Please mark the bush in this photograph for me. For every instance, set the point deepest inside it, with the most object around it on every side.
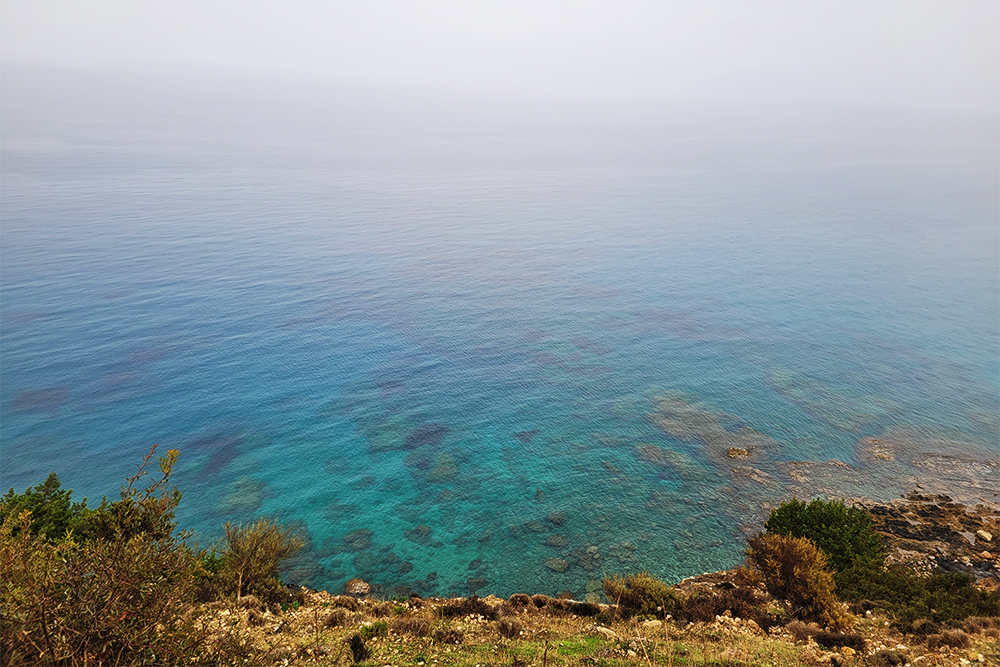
(113, 592)
(417, 627)
(468, 607)
(250, 556)
(640, 595)
(919, 604)
(741, 602)
(846, 535)
(588, 609)
(887, 658)
(802, 631)
(794, 570)
(381, 609)
(989, 627)
(836, 640)
(953, 638)
(508, 629)
(449, 636)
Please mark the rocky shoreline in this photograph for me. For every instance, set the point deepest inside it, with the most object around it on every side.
(923, 531)
(931, 531)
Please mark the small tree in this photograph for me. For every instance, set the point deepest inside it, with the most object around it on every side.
(794, 570)
(53, 513)
(845, 534)
(250, 558)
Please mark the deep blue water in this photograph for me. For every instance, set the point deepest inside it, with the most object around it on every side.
(447, 327)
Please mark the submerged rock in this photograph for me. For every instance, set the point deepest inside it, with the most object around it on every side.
(526, 436)
(444, 468)
(243, 496)
(558, 518)
(421, 534)
(873, 449)
(358, 540)
(558, 541)
(426, 435)
(556, 564)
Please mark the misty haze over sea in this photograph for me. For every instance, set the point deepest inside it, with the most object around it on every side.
(463, 340)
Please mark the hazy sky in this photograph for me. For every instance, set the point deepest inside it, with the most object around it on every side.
(883, 52)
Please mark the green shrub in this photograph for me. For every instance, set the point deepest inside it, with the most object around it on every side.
(53, 514)
(112, 593)
(640, 595)
(376, 629)
(918, 604)
(250, 556)
(794, 570)
(845, 534)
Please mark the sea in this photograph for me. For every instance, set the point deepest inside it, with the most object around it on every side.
(480, 344)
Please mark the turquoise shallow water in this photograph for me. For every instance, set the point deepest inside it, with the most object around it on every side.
(440, 350)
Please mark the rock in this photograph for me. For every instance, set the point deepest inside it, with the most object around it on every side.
(607, 632)
(358, 540)
(756, 475)
(738, 453)
(535, 526)
(244, 496)
(873, 449)
(652, 624)
(357, 588)
(847, 650)
(559, 518)
(428, 434)
(558, 541)
(984, 535)
(556, 564)
(421, 534)
(444, 468)
(526, 436)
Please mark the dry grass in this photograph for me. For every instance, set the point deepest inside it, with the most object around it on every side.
(422, 633)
